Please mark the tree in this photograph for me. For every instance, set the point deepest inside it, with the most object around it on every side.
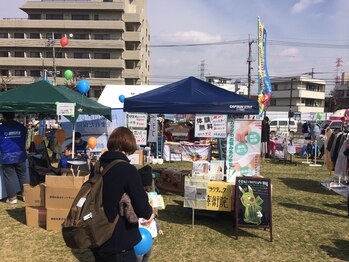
(4, 80)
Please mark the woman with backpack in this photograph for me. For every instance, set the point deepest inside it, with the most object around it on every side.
(122, 177)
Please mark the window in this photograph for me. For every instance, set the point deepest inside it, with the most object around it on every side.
(82, 55)
(131, 81)
(19, 54)
(81, 36)
(58, 55)
(34, 16)
(18, 35)
(19, 73)
(3, 54)
(275, 87)
(98, 92)
(83, 74)
(102, 37)
(55, 35)
(34, 35)
(102, 55)
(283, 123)
(54, 16)
(35, 54)
(80, 17)
(4, 72)
(3, 35)
(102, 74)
(36, 73)
(108, 1)
(96, 17)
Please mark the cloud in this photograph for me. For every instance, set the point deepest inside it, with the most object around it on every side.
(304, 4)
(192, 37)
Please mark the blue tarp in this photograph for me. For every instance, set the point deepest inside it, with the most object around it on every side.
(191, 96)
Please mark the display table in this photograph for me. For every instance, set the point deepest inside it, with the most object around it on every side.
(339, 188)
(188, 151)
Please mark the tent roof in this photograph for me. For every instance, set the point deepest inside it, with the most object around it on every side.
(42, 97)
(191, 96)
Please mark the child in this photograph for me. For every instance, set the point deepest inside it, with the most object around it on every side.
(68, 152)
(153, 226)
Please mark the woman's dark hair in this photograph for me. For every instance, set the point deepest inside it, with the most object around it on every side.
(8, 115)
(122, 139)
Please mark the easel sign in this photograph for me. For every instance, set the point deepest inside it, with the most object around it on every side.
(253, 206)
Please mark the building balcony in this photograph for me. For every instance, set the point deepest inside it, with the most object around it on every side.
(62, 25)
(132, 36)
(39, 6)
(132, 55)
(90, 44)
(61, 62)
(131, 73)
(132, 18)
(296, 93)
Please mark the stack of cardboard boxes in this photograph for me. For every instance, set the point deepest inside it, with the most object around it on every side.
(53, 200)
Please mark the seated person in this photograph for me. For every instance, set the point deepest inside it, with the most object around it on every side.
(80, 146)
(66, 160)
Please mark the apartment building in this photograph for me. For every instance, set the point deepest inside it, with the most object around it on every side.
(108, 43)
(228, 84)
(303, 93)
(341, 92)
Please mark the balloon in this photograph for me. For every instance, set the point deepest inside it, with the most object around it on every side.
(144, 246)
(64, 41)
(61, 136)
(68, 74)
(83, 86)
(92, 142)
(37, 139)
(121, 98)
(180, 128)
(318, 116)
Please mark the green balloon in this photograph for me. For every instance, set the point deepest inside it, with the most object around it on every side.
(68, 74)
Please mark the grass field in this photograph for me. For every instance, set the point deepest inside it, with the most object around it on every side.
(310, 223)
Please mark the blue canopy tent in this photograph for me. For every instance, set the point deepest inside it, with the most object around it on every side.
(191, 96)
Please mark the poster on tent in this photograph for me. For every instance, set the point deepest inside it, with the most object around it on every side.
(137, 120)
(213, 126)
(97, 126)
(243, 148)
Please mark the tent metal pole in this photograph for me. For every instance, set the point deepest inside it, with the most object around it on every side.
(73, 141)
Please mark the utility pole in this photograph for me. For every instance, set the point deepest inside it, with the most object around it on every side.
(249, 61)
(202, 70)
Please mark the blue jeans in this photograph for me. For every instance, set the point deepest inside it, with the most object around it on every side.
(10, 172)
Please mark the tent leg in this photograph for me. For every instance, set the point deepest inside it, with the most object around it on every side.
(73, 141)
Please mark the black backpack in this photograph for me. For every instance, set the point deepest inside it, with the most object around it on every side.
(86, 225)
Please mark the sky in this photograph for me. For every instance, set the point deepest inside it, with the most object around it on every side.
(303, 36)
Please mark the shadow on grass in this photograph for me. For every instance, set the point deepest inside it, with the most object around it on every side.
(340, 206)
(339, 251)
(306, 185)
(310, 209)
(17, 213)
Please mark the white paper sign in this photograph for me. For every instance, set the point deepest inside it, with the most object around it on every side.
(214, 126)
(153, 129)
(66, 109)
(141, 136)
(137, 120)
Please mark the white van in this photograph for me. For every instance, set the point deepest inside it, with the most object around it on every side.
(281, 125)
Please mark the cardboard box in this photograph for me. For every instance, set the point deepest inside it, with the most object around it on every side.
(61, 198)
(136, 158)
(34, 196)
(61, 190)
(35, 216)
(55, 218)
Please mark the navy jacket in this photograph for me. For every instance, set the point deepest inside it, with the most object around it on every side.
(12, 142)
(123, 177)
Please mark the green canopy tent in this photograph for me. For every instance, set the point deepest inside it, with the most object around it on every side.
(42, 98)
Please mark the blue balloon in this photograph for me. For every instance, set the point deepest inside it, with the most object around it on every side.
(83, 86)
(121, 98)
(146, 243)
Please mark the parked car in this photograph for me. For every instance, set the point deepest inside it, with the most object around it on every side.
(333, 124)
(281, 125)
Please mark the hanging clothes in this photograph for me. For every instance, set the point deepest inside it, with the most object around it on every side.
(329, 138)
(341, 168)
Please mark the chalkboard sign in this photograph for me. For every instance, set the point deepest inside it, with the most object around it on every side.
(253, 203)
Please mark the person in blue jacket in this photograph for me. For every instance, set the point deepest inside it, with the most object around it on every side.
(13, 154)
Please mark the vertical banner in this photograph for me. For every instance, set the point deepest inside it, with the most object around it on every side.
(214, 126)
(153, 129)
(264, 85)
(243, 148)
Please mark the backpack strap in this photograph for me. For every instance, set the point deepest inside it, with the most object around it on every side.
(104, 171)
